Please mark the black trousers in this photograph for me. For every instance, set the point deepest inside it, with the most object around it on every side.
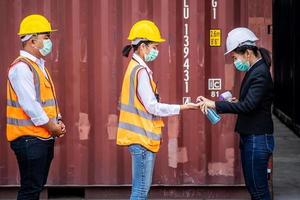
(34, 158)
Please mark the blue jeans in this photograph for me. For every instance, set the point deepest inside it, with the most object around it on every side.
(34, 158)
(255, 153)
(142, 171)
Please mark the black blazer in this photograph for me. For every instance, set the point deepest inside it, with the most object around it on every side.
(254, 106)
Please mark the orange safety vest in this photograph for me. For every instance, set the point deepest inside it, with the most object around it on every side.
(136, 124)
(18, 122)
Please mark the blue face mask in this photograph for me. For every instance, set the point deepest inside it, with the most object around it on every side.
(152, 55)
(241, 66)
(47, 48)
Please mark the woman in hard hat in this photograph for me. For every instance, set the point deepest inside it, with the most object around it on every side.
(140, 110)
(254, 122)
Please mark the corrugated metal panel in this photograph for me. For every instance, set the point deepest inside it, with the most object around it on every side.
(87, 68)
(286, 68)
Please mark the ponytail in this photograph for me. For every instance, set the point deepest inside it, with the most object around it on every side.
(265, 54)
(126, 50)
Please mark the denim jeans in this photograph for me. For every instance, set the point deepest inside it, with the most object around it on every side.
(142, 171)
(255, 153)
(34, 158)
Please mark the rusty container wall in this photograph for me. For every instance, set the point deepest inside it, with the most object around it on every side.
(87, 67)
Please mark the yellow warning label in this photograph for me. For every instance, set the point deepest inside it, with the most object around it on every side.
(215, 37)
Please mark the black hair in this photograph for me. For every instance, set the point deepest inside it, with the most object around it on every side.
(265, 54)
(127, 48)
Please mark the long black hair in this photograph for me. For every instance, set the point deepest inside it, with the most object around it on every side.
(127, 48)
(265, 54)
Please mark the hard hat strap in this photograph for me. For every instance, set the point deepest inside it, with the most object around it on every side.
(138, 40)
(24, 38)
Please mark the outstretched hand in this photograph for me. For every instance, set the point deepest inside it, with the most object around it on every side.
(190, 106)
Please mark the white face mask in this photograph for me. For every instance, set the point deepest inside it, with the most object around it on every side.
(47, 47)
(152, 55)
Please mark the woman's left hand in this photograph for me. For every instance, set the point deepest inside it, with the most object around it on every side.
(233, 100)
(205, 104)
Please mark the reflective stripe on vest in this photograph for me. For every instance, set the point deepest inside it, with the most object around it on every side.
(16, 104)
(132, 88)
(139, 130)
(22, 122)
(133, 110)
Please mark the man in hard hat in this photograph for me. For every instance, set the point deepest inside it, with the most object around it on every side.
(140, 122)
(254, 122)
(33, 117)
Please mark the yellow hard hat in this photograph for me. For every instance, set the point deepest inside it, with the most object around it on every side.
(145, 29)
(34, 24)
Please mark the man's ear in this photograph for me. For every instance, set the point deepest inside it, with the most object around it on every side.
(33, 40)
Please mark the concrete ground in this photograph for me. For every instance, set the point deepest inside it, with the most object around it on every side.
(286, 163)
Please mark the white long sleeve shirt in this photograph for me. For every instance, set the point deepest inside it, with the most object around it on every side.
(147, 95)
(21, 79)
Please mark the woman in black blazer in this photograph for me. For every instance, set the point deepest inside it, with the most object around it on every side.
(254, 122)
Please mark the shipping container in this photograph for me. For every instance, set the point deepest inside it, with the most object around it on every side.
(286, 62)
(87, 68)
